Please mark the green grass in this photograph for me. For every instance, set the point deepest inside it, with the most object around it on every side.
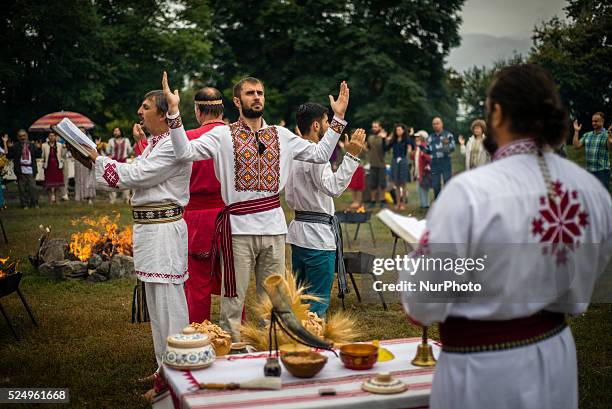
(86, 341)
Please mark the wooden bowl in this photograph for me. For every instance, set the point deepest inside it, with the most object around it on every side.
(286, 348)
(222, 345)
(358, 356)
(303, 364)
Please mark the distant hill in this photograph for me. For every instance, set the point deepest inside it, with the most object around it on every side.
(484, 49)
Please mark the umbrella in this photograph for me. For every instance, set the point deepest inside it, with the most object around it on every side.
(44, 123)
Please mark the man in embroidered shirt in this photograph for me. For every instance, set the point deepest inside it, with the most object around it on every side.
(161, 191)
(440, 145)
(508, 346)
(252, 161)
(24, 154)
(205, 203)
(597, 144)
(314, 235)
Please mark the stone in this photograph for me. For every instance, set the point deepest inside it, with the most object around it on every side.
(53, 250)
(78, 269)
(94, 261)
(57, 270)
(96, 278)
(104, 268)
(121, 266)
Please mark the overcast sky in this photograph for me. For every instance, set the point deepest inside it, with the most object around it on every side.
(494, 29)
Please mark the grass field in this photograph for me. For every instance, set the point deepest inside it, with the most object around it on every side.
(86, 341)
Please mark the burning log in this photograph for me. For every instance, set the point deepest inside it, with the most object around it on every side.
(6, 268)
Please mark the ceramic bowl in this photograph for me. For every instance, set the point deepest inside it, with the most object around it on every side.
(189, 350)
(358, 356)
(303, 364)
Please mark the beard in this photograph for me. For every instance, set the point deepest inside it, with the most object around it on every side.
(250, 112)
(489, 142)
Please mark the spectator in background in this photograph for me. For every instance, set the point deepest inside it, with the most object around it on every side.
(474, 151)
(440, 145)
(84, 180)
(53, 163)
(402, 145)
(24, 154)
(597, 145)
(119, 149)
(422, 166)
(376, 157)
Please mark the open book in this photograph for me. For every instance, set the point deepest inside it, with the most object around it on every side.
(409, 229)
(74, 136)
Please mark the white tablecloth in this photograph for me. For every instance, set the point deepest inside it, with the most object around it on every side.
(298, 393)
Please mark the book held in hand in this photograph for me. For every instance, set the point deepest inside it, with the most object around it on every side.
(410, 229)
(74, 136)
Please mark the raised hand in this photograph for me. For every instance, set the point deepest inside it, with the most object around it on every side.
(172, 98)
(577, 126)
(355, 145)
(339, 105)
(461, 140)
(138, 133)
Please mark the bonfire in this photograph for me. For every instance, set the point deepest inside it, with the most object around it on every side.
(339, 328)
(7, 268)
(102, 236)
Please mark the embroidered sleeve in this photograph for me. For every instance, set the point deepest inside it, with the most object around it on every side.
(337, 125)
(174, 121)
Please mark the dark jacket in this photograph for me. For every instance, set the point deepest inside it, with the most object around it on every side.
(14, 153)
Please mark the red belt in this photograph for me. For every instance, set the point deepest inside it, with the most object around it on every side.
(223, 235)
(462, 335)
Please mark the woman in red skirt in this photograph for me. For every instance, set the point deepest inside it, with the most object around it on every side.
(53, 164)
(357, 184)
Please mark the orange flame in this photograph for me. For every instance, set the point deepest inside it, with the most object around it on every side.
(100, 231)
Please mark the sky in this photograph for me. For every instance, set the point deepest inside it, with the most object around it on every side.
(494, 29)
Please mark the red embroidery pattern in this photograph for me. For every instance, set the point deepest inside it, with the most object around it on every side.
(560, 223)
(174, 123)
(519, 147)
(337, 126)
(253, 171)
(110, 175)
(161, 275)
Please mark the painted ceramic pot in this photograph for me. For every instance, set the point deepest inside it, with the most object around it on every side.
(189, 350)
(358, 356)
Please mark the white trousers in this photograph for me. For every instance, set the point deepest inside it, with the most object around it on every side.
(538, 376)
(168, 312)
(263, 255)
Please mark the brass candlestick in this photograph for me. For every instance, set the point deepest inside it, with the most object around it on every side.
(424, 355)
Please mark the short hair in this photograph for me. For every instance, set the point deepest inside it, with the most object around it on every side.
(479, 122)
(22, 131)
(250, 80)
(439, 117)
(530, 103)
(307, 114)
(601, 115)
(209, 94)
(160, 100)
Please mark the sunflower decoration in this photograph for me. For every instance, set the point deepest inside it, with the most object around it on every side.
(338, 328)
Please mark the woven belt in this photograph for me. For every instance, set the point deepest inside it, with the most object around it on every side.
(461, 335)
(157, 213)
(324, 218)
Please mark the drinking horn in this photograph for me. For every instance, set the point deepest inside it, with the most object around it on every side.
(276, 288)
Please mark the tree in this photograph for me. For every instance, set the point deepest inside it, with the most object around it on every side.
(98, 58)
(391, 53)
(578, 54)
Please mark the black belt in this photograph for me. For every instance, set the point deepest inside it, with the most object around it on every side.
(324, 218)
(157, 213)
